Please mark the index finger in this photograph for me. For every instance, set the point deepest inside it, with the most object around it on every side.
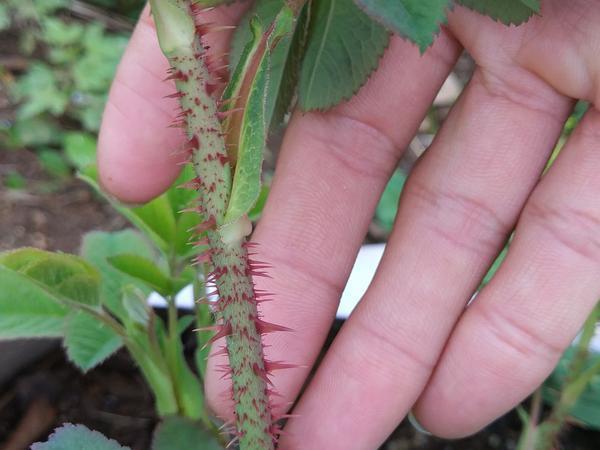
(137, 151)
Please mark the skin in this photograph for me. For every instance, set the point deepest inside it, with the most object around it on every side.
(411, 343)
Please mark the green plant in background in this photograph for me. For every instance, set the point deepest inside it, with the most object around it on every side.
(96, 303)
(70, 65)
(285, 54)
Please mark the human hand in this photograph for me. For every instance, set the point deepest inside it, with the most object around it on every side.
(411, 340)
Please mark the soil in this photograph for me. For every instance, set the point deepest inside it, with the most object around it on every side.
(114, 399)
(36, 216)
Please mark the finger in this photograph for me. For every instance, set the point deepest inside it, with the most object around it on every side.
(458, 207)
(514, 333)
(137, 152)
(330, 174)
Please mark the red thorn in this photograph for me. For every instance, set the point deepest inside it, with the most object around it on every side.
(223, 332)
(259, 265)
(191, 209)
(193, 143)
(274, 393)
(267, 327)
(177, 75)
(204, 302)
(228, 423)
(179, 124)
(224, 114)
(233, 441)
(175, 95)
(261, 373)
(203, 257)
(286, 416)
(184, 162)
(206, 225)
(201, 242)
(226, 101)
(210, 87)
(271, 366)
(258, 273)
(223, 159)
(208, 328)
(221, 352)
(193, 184)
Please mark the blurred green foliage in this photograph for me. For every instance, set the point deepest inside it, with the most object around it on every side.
(60, 96)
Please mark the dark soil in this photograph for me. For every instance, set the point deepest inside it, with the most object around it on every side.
(112, 398)
(115, 400)
(50, 213)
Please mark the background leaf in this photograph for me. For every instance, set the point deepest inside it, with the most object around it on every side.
(343, 48)
(88, 341)
(143, 269)
(587, 407)
(388, 204)
(177, 433)
(64, 276)
(416, 20)
(509, 12)
(77, 437)
(158, 220)
(26, 310)
(97, 246)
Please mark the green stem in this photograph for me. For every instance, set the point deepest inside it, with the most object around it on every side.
(296, 6)
(529, 435)
(575, 384)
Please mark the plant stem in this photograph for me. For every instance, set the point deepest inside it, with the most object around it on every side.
(296, 6)
(575, 384)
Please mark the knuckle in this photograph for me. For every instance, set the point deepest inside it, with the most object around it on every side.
(354, 145)
(514, 337)
(387, 353)
(467, 222)
(577, 230)
(522, 88)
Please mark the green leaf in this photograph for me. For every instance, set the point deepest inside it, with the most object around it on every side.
(178, 433)
(265, 11)
(288, 86)
(98, 246)
(88, 341)
(587, 407)
(26, 309)
(256, 211)
(95, 69)
(416, 20)
(54, 163)
(136, 305)
(4, 18)
(144, 270)
(56, 32)
(509, 12)
(77, 437)
(34, 132)
(14, 180)
(80, 149)
(39, 91)
(388, 204)
(251, 141)
(158, 216)
(495, 266)
(142, 217)
(64, 276)
(343, 48)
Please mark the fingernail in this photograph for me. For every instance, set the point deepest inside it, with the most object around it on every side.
(416, 425)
